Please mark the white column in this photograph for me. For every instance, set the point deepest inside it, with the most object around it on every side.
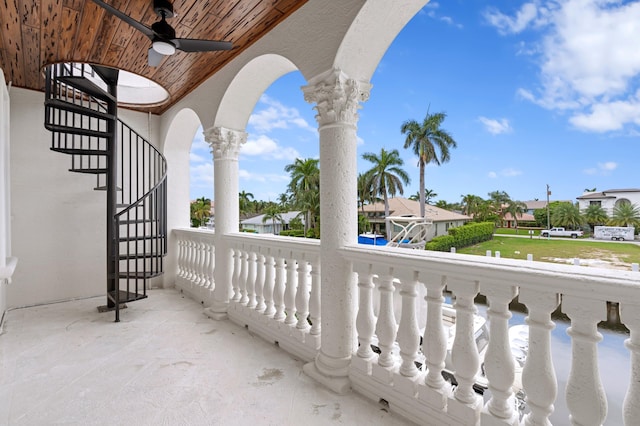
(630, 315)
(225, 146)
(337, 99)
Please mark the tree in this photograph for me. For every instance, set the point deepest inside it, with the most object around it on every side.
(590, 190)
(515, 208)
(305, 186)
(245, 201)
(567, 215)
(200, 211)
(273, 213)
(429, 194)
(595, 215)
(364, 190)
(425, 139)
(471, 204)
(625, 214)
(386, 176)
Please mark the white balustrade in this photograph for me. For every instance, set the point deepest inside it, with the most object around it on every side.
(539, 286)
(280, 286)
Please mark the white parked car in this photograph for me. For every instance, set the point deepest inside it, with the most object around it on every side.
(560, 232)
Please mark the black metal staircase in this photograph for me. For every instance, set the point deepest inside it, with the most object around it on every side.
(81, 112)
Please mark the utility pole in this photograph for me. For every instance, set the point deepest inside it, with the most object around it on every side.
(548, 221)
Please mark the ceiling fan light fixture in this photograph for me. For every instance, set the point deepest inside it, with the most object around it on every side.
(164, 47)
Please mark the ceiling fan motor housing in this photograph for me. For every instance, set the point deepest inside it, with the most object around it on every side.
(163, 8)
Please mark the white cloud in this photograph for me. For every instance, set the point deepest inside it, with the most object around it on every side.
(202, 174)
(268, 148)
(359, 141)
(602, 169)
(261, 177)
(527, 15)
(496, 126)
(197, 158)
(508, 172)
(588, 59)
(277, 116)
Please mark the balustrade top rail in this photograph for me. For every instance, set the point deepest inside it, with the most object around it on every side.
(263, 242)
(588, 282)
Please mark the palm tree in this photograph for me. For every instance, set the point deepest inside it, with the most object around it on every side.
(625, 214)
(567, 215)
(471, 204)
(595, 215)
(305, 179)
(244, 200)
(424, 138)
(273, 213)
(515, 208)
(386, 176)
(429, 194)
(200, 210)
(364, 190)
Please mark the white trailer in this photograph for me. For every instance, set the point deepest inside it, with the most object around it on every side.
(619, 233)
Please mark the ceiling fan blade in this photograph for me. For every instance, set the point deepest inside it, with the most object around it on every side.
(193, 45)
(126, 18)
(154, 58)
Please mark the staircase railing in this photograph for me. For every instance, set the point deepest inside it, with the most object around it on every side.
(81, 112)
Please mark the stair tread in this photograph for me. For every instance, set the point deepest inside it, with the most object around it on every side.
(87, 86)
(134, 221)
(125, 296)
(90, 171)
(104, 188)
(79, 109)
(140, 237)
(81, 151)
(76, 130)
(139, 274)
(124, 256)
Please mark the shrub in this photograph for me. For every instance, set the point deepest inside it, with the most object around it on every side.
(462, 236)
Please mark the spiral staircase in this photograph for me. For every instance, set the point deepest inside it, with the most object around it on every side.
(81, 112)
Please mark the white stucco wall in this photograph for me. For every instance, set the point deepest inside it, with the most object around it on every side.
(58, 220)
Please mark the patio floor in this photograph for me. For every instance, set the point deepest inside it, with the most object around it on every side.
(165, 363)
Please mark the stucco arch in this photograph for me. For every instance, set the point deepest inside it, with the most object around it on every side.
(377, 24)
(177, 147)
(248, 85)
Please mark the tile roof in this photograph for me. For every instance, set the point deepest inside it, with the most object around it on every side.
(399, 206)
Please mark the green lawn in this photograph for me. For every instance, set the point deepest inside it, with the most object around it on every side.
(546, 250)
(512, 231)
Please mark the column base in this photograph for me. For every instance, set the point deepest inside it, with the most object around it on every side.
(217, 311)
(338, 384)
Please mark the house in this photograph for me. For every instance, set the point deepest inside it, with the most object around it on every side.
(442, 219)
(312, 299)
(609, 199)
(262, 226)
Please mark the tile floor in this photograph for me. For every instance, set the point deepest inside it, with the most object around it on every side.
(165, 363)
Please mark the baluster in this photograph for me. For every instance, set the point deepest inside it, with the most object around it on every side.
(386, 327)
(365, 320)
(260, 271)
(237, 270)
(212, 265)
(314, 301)
(630, 316)
(206, 252)
(302, 295)
(464, 353)
(180, 256)
(269, 283)
(408, 332)
(251, 280)
(190, 254)
(195, 262)
(434, 342)
(243, 278)
(498, 361)
(539, 376)
(198, 263)
(290, 292)
(586, 399)
(278, 291)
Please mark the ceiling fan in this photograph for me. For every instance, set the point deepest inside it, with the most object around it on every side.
(163, 36)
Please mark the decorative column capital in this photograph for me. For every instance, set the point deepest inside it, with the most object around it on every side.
(225, 143)
(337, 97)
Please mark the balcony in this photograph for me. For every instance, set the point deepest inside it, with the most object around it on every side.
(275, 294)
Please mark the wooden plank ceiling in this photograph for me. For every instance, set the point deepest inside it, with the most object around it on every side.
(39, 32)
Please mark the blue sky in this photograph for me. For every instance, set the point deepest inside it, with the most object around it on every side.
(539, 92)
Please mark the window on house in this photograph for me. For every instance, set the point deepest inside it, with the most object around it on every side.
(595, 203)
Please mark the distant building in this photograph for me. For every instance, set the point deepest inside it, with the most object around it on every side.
(442, 219)
(256, 223)
(609, 199)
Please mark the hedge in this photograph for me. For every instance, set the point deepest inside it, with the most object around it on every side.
(462, 236)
